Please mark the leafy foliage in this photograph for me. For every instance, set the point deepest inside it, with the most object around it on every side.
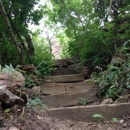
(8, 69)
(7, 112)
(118, 78)
(19, 14)
(96, 30)
(82, 102)
(64, 43)
(115, 119)
(93, 27)
(35, 103)
(98, 116)
(42, 58)
(29, 80)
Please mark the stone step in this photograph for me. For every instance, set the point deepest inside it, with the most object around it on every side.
(85, 113)
(60, 62)
(71, 98)
(64, 78)
(60, 88)
(63, 71)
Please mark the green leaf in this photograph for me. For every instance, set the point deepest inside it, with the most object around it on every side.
(115, 119)
(7, 110)
(44, 106)
(98, 116)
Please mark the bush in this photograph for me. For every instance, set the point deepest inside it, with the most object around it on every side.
(92, 47)
(42, 58)
(118, 78)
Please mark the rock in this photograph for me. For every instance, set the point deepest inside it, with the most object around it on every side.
(121, 121)
(9, 88)
(36, 89)
(14, 89)
(85, 72)
(29, 68)
(13, 128)
(9, 99)
(21, 94)
(12, 78)
(15, 109)
(107, 101)
(33, 91)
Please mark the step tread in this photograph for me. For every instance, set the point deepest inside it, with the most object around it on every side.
(63, 71)
(60, 88)
(85, 113)
(64, 78)
(71, 98)
(59, 62)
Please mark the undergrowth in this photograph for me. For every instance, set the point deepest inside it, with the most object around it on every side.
(116, 79)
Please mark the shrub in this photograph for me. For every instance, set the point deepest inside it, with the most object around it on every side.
(118, 78)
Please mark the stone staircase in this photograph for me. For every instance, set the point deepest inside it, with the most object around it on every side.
(66, 87)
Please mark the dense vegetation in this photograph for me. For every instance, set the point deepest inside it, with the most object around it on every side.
(88, 30)
(17, 45)
(95, 28)
(91, 30)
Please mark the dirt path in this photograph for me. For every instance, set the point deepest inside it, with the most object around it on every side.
(39, 120)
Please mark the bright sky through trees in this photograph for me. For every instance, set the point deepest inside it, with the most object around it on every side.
(33, 27)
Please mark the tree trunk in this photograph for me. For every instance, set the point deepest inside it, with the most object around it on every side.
(22, 43)
(30, 45)
(11, 33)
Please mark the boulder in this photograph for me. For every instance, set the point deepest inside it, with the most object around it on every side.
(12, 78)
(9, 99)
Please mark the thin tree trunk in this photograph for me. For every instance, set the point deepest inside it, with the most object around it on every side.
(49, 40)
(22, 43)
(30, 45)
(50, 46)
(11, 32)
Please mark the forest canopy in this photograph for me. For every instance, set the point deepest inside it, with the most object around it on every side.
(92, 31)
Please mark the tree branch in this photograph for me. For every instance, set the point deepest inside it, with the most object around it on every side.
(11, 32)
